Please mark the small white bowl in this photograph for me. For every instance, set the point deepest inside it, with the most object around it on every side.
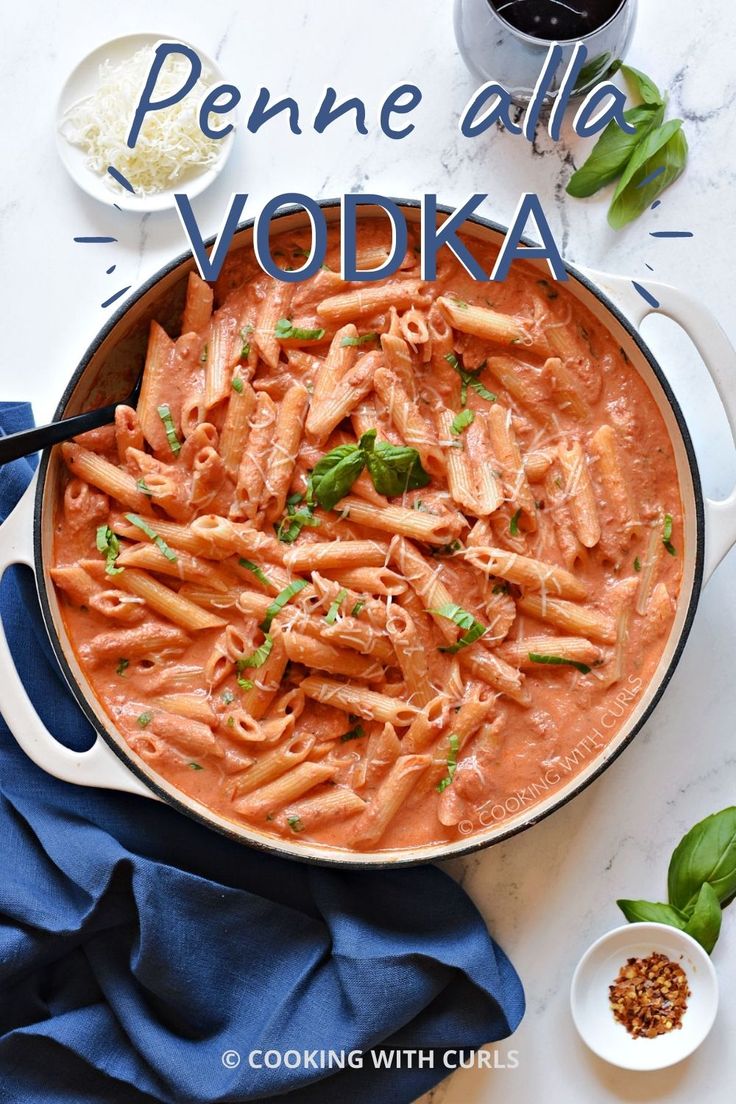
(599, 967)
(82, 82)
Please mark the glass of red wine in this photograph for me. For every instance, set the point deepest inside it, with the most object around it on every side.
(507, 40)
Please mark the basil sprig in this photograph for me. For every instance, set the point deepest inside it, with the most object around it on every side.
(469, 379)
(285, 330)
(701, 881)
(280, 601)
(109, 545)
(647, 161)
(464, 620)
(393, 469)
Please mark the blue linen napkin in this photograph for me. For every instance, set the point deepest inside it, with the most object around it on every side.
(144, 958)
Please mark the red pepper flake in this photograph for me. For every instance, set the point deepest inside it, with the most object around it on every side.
(649, 996)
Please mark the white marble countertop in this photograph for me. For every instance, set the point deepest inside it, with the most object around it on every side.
(548, 893)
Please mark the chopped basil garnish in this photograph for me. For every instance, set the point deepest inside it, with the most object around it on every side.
(334, 474)
(285, 330)
(164, 413)
(331, 615)
(362, 339)
(357, 607)
(352, 734)
(144, 719)
(246, 683)
(514, 523)
(196, 766)
(255, 569)
(109, 545)
(293, 521)
(469, 379)
(295, 824)
(500, 588)
(667, 534)
(280, 601)
(461, 421)
(227, 697)
(152, 536)
(637, 564)
(560, 661)
(259, 656)
(122, 667)
(464, 620)
(451, 763)
(230, 722)
(237, 384)
(143, 487)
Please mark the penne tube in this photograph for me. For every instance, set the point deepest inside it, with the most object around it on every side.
(229, 538)
(289, 786)
(526, 572)
(565, 389)
(361, 635)
(128, 432)
(336, 554)
(473, 486)
(166, 601)
(352, 381)
(579, 491)
(339, 803)
(185, 566)
(102, 474)
(156, 374)
(573, 648)
(356, 699)
(508, 373)
(77, 583)
(221, 353)
(272, 765)
(578, 620)
(508, 455)
(653, 554)
(537, 464)
(496, 672)
(413, 427)
(266, 679)
(502, 329)
(187, 735)
(236, 427)
(349, 305)
(425, 581)
(287, 434)
(194, 706)
(411, 654)
(430, 528)
(369, 580)
(122, 644)
(274, 306)
(427, 726)
(388, 799)
(325, 657)
(252, 469)
(197, 305)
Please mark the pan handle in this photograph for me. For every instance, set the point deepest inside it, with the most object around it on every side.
(719, 357)
(99, 766)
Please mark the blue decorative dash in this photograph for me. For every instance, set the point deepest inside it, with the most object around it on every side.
(650, 177)
(122, 180)
(90, 240)
(648, 266)
(646, 295)
(110, 269)
(655, 205)
(670, 234)
(115, 297)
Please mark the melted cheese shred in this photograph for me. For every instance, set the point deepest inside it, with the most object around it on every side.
(170, 144)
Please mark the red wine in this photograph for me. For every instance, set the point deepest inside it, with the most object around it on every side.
(558, 20)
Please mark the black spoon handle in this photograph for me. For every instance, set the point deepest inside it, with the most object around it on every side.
(31, 440)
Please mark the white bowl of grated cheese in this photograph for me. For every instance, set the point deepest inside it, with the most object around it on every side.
(94, 115)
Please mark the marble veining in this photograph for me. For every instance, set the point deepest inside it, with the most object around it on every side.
(547, 893)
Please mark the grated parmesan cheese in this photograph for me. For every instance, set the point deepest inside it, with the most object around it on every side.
(170, 144)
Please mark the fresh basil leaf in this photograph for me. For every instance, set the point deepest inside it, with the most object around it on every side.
(461, 421)
(259, 656)
(667, 535)
(642, 86)
(394, 469)
(353, 734)
(293, 522)
(705, 920)
(152, 536)
(143, 487)
(652, 912)
(357, 607)
(280, 601)
(331, 615)
(164, 413)
(362, 339)
(514, 523)
(451, 763)
(469, 379)
(464, 620)
(707, 853)
(108, 544)
(255, 570)
(295, 824)
(559, 661)
(145, 719)
(335, 473)
(237, 384)
(245, 683)
(285, 330)
(122, 667)
(664, 148)
(610, 154)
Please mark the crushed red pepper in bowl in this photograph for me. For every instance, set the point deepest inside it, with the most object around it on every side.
(649, 996)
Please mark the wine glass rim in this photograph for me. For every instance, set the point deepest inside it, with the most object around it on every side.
(549, 41)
